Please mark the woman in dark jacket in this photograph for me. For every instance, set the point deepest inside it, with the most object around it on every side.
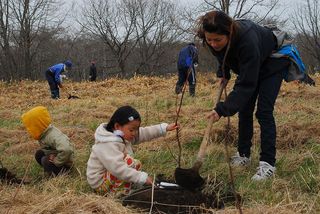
(244, 47)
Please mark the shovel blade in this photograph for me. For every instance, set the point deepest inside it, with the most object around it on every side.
(73, 97)
(188, 178)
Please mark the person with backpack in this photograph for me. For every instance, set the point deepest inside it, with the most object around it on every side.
(187, 61)
(53, 76)
(246, 48)
(56, 152)
(111, 167)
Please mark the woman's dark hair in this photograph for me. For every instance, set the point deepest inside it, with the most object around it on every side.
(220, 23)
(123, 115)
(216, 22)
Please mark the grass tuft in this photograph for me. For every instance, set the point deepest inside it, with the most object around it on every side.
(294, 189)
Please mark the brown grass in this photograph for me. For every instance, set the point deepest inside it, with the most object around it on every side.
(31, 202)
(297, 112)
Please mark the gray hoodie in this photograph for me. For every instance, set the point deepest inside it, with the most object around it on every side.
(109, 151)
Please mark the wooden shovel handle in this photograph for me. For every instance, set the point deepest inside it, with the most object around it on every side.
(205, 140)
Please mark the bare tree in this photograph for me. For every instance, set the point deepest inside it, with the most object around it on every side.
(30, 18)
(113, 22)
(257, 9)
(155, 29)
(307, 21)
(260, 11)
(7, 62)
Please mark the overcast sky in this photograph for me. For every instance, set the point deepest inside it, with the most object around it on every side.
(284, 9)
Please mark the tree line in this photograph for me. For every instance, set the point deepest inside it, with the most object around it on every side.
(128, 37)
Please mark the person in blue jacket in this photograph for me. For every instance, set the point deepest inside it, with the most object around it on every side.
(187, 61)
(246, 48)
(53, 77)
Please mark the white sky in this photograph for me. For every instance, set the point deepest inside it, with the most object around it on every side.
(284, 10)
(286, 7)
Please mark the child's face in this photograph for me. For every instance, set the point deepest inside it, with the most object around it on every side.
(130, 129)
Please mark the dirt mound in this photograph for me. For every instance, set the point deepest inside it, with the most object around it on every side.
(171, 200)
(175, 199)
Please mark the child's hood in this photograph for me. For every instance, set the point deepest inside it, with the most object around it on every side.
(102, 135)
(36, 121)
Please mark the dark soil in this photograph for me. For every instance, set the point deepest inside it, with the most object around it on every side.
(8, 177)
(172, 200)
(180, 200)
(188, 178)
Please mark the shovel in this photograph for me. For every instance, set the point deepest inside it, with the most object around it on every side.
(70, 96)
(190, 178)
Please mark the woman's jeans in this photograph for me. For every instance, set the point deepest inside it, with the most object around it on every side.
(266, 94)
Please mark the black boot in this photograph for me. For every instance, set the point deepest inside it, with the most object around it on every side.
(55, 94)
(192, 90)
(178, 89)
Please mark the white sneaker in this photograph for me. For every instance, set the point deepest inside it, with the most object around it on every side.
(265, 170)
(237, 160)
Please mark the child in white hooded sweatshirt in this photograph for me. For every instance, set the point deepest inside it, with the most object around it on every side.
(111, 167)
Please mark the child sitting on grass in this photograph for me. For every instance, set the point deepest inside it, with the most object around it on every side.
(56, 153)
(111, 167)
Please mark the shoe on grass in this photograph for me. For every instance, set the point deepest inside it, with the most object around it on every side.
(238, 160)
(264, 171)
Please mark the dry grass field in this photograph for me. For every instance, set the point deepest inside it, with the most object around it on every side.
(294, 189)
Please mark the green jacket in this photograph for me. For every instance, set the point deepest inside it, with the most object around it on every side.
(53, 141)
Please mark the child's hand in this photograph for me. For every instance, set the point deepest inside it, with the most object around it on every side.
(149, 181)
(172, 126)
(51, 157)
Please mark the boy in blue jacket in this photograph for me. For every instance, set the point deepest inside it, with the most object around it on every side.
(53, 77)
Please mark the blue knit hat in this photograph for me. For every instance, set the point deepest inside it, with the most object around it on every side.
(68, 63)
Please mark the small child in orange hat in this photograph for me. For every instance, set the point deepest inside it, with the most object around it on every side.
(56, 152)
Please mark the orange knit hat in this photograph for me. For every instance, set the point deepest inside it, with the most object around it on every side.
(36, 121)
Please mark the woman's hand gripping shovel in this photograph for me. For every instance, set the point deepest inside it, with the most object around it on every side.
(190, 178)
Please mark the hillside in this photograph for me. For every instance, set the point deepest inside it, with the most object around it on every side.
(295, 188)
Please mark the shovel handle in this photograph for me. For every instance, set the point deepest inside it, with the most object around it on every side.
(205, 140)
